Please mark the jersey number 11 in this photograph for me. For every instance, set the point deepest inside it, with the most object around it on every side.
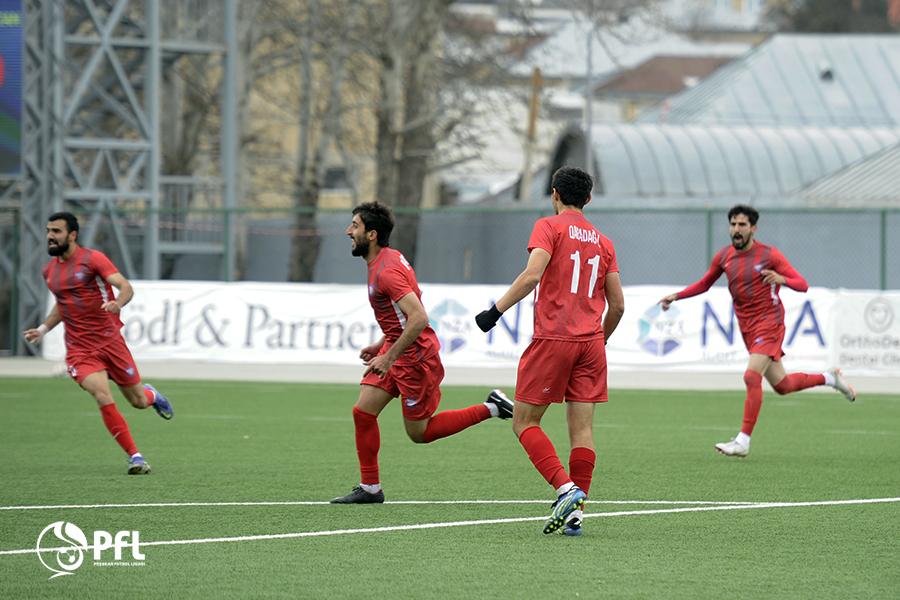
(576, 272)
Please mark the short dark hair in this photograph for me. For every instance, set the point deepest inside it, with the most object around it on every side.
(742, 209)
(70, 219)
(378, 218)
(573, 186)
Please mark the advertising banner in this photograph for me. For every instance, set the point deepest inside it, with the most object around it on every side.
(329, 324)
(867, 332)
(11, 21)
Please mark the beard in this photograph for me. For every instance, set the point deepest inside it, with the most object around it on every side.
(739, 242)
(57, 249)
(360, 248)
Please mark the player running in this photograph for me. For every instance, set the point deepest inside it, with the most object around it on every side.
(82, 279)
(576, 268)
(405, 362)
(755, 274)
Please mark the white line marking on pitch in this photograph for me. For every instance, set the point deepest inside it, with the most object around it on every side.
(861, 432)
(626, 513)
(326, 503)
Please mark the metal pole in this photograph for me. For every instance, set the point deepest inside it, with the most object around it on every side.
(882, 275)
(588, 103)
(229, 137)
(525, 187)
(14, 291)
(56, 128)
(151, 92)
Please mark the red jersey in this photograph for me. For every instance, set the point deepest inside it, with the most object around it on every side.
(571, 296)
(390, 278)
(755, 302)
(80, 286)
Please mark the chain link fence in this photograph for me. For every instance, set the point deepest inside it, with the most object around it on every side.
(856, 249)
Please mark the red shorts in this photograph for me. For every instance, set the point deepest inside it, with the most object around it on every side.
(556, 370)
(418, 386)
(765, 340)
(114, 358)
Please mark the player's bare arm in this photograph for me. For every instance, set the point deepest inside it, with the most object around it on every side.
(666, 301)
(615, 304)
(126, 293)
(527, 280)
(416, 321)
(371, 351)
(523, 285)
(33, 336)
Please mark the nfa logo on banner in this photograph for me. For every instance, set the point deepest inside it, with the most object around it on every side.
(660, 331)
(452, 323)
(66, 559)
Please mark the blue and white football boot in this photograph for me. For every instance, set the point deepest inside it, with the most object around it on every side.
(137, 465)
(573, 524)
(564, 506)
(161, 404)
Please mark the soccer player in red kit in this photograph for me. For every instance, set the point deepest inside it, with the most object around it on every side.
(404, 362)
(755, 274)
(82, 279)
(575, 267)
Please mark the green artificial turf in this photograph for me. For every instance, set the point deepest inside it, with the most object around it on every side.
(273, 442)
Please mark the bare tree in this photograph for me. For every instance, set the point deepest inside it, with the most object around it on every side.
(191, 100)
(407, 110)
(400, 82)
(324, 37)
(372, 77)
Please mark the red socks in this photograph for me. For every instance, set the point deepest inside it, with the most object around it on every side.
(368, 442)
(449, 422)
(581, 467)
(118, 428)
(150, 396)
(753, 403)
(368, 436)
(543, 456)
(795, 382)
(789, 383)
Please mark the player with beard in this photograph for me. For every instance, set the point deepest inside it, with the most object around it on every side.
(82, 280)
(404, 362)
(755, 274)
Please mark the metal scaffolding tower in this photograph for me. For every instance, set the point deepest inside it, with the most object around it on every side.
(94, 78)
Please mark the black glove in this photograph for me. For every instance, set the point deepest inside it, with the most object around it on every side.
(486, 319)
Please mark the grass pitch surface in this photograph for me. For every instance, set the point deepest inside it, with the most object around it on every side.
(246, 469)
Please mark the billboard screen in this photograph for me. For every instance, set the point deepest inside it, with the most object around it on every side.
(11, 20)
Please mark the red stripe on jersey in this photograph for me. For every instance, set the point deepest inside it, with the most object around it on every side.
(755, 302)
(391, 277)
(77, 283)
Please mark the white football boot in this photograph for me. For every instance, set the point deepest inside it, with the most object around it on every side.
(732, 448)
(842, 386)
